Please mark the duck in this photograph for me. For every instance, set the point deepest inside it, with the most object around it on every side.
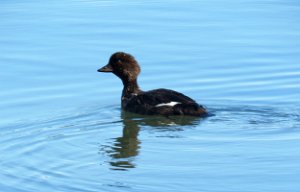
(154, 102)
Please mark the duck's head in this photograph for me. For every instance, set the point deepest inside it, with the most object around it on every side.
(122, 65)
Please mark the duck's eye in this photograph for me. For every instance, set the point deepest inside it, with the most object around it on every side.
(119, 60)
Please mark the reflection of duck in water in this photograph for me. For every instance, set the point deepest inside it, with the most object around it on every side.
(126, 147)
(155, 102)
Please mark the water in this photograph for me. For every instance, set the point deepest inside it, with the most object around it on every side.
(61, 126)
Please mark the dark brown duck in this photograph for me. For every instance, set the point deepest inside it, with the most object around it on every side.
(154, 102)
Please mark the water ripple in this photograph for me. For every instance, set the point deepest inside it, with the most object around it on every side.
(61, 124)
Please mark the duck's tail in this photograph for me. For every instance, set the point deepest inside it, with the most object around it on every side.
(190, 109)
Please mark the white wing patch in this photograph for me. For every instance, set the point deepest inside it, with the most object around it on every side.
(171, 104)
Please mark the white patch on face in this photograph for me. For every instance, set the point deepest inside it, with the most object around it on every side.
(171, 104)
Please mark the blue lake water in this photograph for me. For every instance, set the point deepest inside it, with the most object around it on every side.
(61, 126)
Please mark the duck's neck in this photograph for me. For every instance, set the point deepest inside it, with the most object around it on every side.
(131, 88)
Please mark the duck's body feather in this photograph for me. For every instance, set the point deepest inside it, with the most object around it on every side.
(163, 102)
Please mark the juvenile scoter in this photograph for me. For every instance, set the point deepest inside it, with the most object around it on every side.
(155, 102)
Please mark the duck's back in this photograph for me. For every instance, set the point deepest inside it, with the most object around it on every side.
(164, 102)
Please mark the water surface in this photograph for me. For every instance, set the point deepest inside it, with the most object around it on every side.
(61, 125)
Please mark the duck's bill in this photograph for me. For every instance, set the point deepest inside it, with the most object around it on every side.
(106, 68)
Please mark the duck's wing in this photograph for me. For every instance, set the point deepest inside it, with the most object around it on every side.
(146, 102)
(160, 97)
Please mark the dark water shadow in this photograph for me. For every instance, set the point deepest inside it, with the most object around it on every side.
(124, 149)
